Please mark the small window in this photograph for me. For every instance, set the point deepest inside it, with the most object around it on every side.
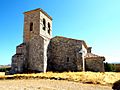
(31, 26)
(44, 24)
(48, 27)
(68, 59)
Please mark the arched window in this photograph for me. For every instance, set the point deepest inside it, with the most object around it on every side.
(44, 24)
(31, 26)
(48, 27)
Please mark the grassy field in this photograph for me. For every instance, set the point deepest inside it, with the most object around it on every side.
(106, 78)
(2, 74)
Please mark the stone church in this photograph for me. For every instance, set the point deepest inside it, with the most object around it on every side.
(39, 52)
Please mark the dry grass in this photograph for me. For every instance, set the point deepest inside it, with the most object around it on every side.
(2, 74)
(84, 77)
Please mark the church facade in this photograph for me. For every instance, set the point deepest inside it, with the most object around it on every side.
(40, 52)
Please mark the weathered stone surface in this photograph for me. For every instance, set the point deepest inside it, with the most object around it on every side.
(36, 54)
(33, 52)
(63, 54)
(94, 64)
(21, 49)
(18, 63)
(33, 26)
(28, 19)
(36, 18)
(19, 59)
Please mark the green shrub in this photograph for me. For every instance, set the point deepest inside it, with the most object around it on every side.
(4, 69)
(109, 67)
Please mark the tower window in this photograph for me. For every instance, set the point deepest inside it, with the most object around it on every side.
(48, 27)
(31, 26)
(44, 24)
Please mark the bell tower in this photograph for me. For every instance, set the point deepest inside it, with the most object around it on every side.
(37, 22)
(37, 35)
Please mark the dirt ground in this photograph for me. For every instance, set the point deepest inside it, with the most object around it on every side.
(46, 84)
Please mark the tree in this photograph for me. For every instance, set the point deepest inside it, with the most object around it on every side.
(109, 67)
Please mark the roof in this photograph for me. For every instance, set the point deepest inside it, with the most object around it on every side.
(81, 41)
(21, 45)
(91, 55)
(38, 10)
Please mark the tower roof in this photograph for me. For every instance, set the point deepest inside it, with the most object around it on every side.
(38, 10)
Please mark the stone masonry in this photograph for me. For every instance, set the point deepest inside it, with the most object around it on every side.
(63, 54)
(40, 52)
(19, 59)
(32, 55)
(36, 54)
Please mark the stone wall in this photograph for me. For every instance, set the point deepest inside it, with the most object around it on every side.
(29, 56)
(36, 54)
(63, 54)
(21, 49)
(18, 63)
(44, 33)
(19, 59)
(31, 17)
(94, 64)
(38, 28)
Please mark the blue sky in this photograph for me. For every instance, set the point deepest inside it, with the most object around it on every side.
(95, 21)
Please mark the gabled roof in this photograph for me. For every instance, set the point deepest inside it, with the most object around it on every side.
(38, 10)
(81, 41)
